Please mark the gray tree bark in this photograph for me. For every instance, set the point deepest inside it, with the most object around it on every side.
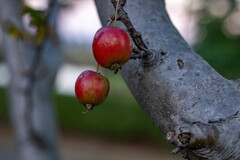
(193, 105)
(33, 70)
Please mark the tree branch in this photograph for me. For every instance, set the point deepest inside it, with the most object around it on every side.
(30, 87)
(34, 74)
(237, 82)
(184, 96)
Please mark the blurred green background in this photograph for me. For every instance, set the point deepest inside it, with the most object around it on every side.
(120, 117)
(220, 29)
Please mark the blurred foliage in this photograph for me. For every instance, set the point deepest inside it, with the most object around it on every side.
(39, 21)
(220, 49)
(17, 33)
(119, 117)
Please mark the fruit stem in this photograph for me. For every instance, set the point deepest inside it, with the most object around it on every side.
(115, 67)
(89, 107)
(115, 20)
(97, 68)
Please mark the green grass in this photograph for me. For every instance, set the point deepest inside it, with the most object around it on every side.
(116, 118)
(119, 117)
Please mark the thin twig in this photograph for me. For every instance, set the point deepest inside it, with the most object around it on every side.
(123, 17)
(110, 22)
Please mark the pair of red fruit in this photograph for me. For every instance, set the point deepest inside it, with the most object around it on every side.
(112, 47)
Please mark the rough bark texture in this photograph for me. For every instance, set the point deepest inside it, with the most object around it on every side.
(33, 71)
(193, 105)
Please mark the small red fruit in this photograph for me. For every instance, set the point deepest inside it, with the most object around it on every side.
(112, 47)
(91, 88)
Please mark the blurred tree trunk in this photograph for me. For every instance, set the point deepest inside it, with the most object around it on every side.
(33, 69)
(194, 106)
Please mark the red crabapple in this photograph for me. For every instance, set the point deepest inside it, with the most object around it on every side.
(91, 88)
(112, 47)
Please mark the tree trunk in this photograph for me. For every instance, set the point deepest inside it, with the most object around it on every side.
(33, 70)
(193, 105)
